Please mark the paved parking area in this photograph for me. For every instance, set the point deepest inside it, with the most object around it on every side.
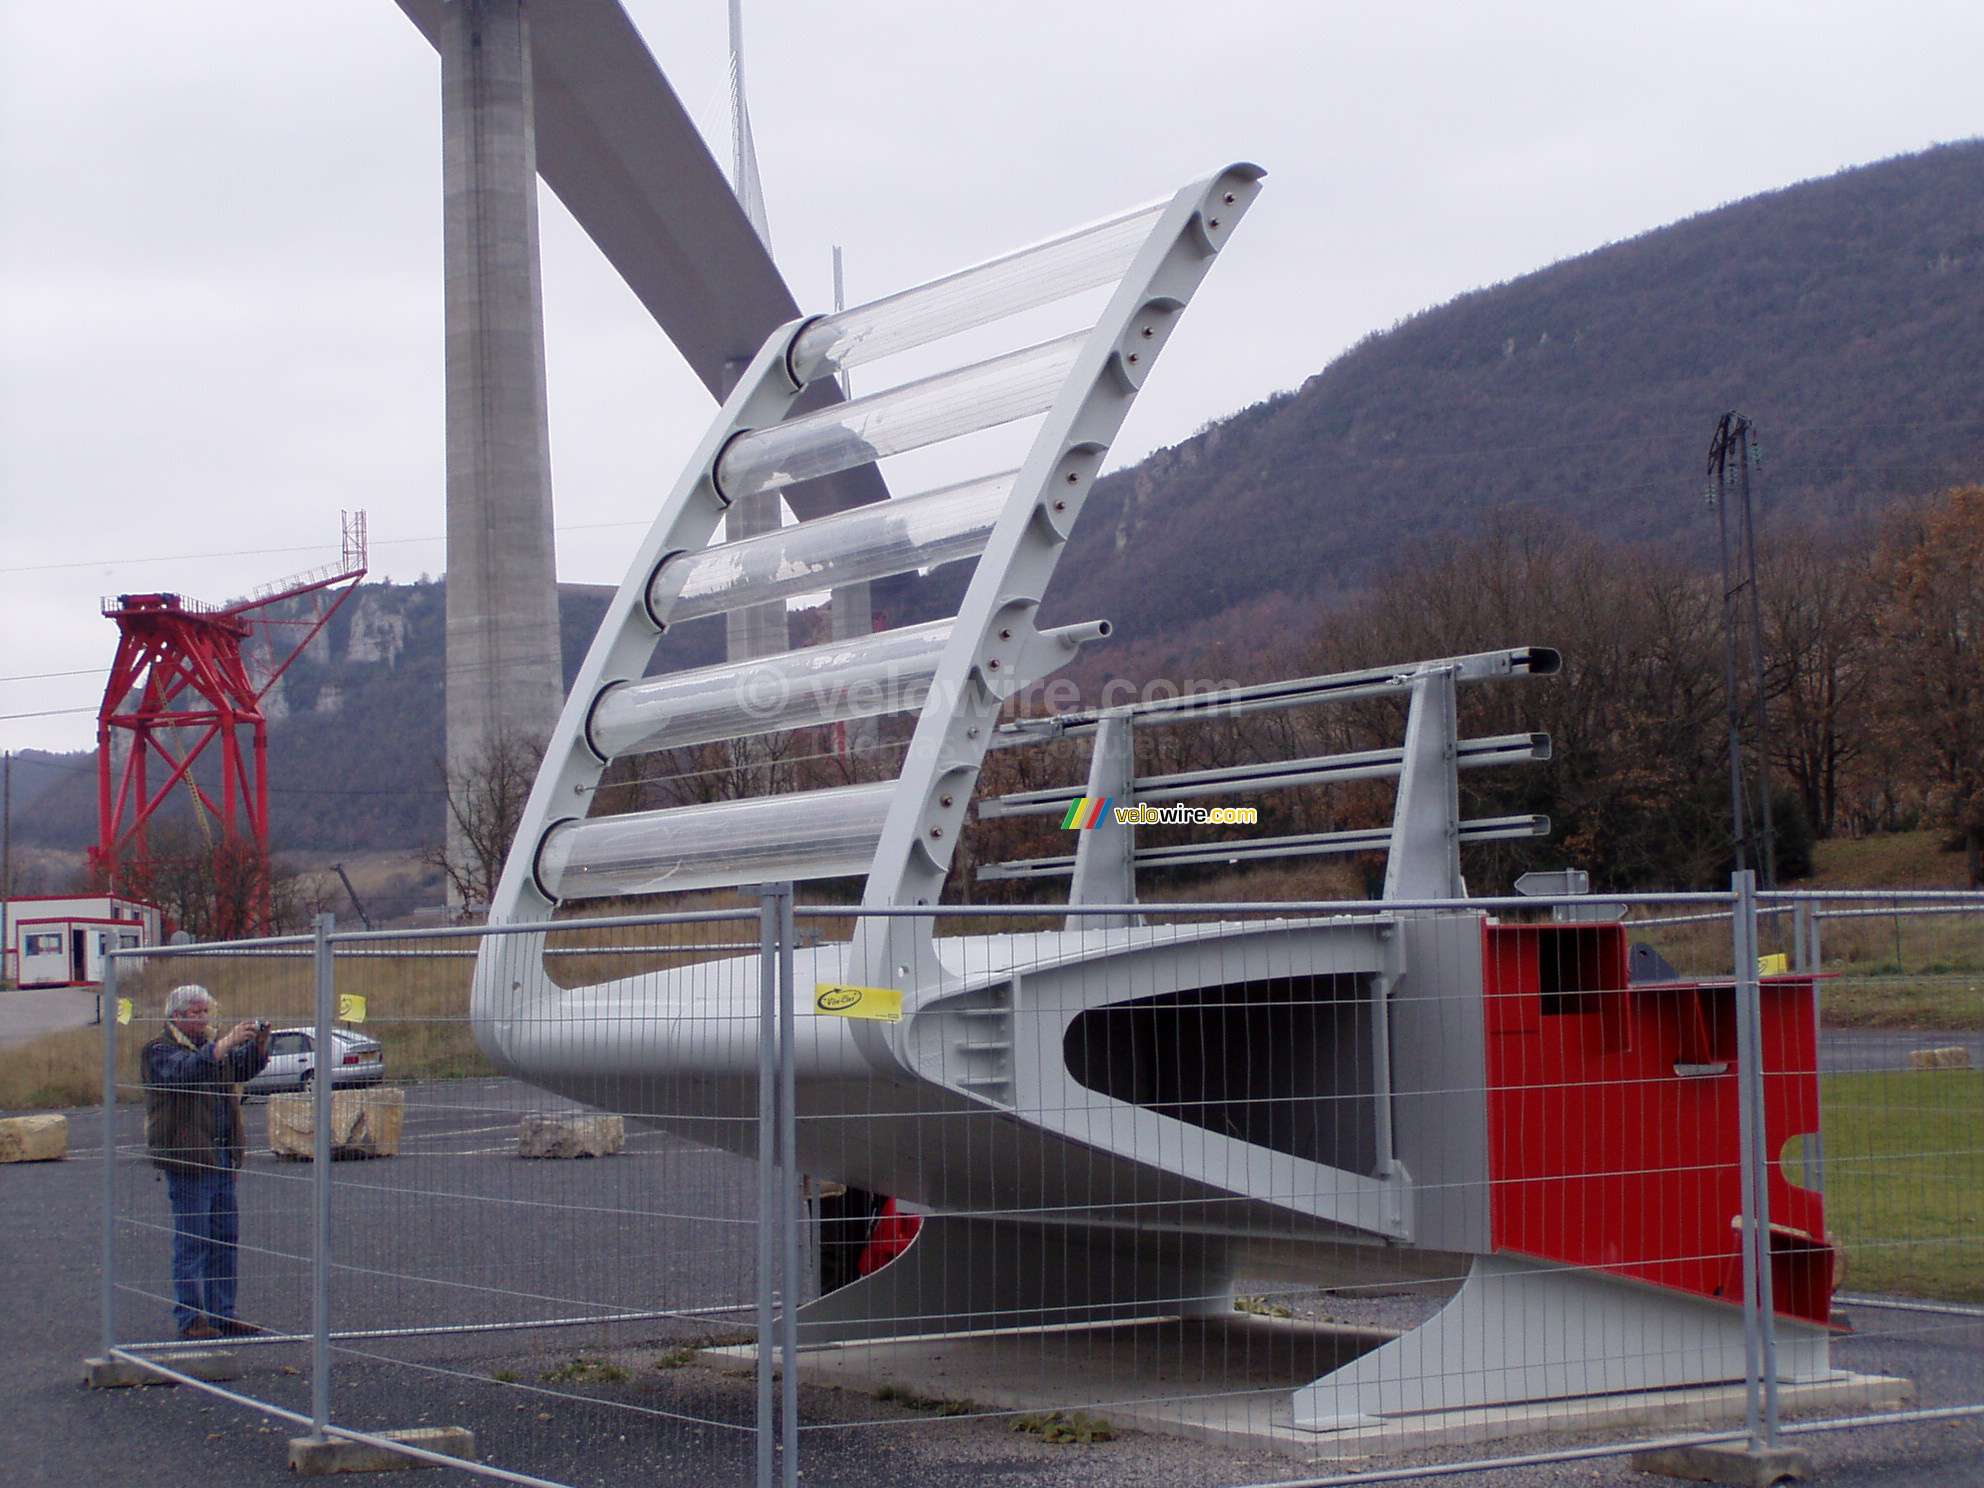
(458, 1230)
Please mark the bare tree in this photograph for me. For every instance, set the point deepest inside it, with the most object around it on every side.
(486, 796)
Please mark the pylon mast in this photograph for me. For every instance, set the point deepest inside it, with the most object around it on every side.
(181, 686)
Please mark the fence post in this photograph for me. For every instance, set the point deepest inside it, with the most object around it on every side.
(791, 1200)
(1806, 961)
(768, 1194)
(1759, 1321)
(109, 1234)
(322, 1081)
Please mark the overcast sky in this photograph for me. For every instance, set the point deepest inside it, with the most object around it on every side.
(220, 230)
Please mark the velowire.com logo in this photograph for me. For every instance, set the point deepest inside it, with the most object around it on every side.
(1089, 812)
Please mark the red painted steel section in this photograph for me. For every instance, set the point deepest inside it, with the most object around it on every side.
(178, 687)
(1603, 1155)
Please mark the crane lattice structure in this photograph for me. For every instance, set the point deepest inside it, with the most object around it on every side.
(186, 682)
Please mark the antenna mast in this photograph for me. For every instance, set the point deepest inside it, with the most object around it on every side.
(1732, 455)
(743, 150)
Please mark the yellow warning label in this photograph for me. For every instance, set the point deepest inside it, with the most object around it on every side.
(123, 1010)
(351, 1008)
(881, 1003)
(1776, 965)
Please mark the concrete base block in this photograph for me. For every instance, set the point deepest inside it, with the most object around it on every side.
(313, 1456)
(39, 1138)
(211, 1365)
(576, 1134)
(364, 1123)
(1727, 1462)
(1954, 1056)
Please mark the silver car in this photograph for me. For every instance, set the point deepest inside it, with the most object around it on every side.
(293, 1061)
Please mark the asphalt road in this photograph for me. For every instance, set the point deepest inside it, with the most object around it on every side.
(457, 1230)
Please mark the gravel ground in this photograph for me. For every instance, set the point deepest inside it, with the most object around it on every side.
(638, 1414)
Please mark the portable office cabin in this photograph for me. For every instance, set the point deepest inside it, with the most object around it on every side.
(60, 940)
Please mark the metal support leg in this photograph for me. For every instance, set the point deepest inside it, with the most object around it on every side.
(1760, 1333)
(109, 1234)
(321, 1081)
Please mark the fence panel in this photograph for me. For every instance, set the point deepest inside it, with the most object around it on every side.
(1314, 1182)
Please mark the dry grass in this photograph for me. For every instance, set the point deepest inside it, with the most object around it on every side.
(1892, 860)
(416, 1005)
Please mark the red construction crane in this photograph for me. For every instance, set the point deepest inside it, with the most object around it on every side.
(183, 684)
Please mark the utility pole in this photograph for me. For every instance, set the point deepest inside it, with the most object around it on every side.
(1733, 455)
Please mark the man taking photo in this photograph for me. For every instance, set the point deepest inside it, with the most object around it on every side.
(193, 1128)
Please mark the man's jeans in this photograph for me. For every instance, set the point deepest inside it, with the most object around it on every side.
(205, 1226)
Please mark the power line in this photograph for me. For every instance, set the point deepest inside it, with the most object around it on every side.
(384, 542)
(44, 676)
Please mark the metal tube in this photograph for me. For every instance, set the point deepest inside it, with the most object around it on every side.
(788, 1179)
(768, 1198)
(1381, 1072)
(323, 1077)
(109, 1232)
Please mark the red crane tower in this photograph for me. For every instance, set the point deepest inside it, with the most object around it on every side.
(186, 682)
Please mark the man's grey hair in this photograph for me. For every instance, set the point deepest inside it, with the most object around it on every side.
(180, 999)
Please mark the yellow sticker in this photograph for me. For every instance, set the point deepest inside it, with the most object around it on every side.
(1776, 965)
(351, 1008)
(882, 1003)
(123, 1010)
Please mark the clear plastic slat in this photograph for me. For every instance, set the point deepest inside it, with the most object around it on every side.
(909, 417)
(860, 678)
(812, 834)
(850, 547)
(977, 296)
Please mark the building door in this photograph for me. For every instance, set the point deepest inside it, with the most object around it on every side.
(79, 963)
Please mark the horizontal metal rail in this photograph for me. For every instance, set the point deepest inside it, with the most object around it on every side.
(1368, 764)
(1296, 692)
(1371, 839)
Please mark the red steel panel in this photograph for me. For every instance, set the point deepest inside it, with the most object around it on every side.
(1603, 1155)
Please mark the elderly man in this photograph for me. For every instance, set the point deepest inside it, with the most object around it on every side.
(193, 1128)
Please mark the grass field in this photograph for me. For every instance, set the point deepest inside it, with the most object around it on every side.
(1904, 1181)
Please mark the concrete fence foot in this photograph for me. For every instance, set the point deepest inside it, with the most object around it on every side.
(1727, 1462)
(121, 1374)
(313, 1456)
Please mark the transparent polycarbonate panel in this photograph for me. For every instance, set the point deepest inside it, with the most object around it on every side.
(812, 834)
(850, 547)
(977, 296)
(928, 411)
(862, 678)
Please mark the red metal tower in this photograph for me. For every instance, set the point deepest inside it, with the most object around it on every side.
(182, 684)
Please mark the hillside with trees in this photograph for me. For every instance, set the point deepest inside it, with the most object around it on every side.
(1843, 315)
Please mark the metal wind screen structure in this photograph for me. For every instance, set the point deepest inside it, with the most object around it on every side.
(1123, 1118)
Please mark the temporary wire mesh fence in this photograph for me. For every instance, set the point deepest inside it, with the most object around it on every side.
(1329, 1182)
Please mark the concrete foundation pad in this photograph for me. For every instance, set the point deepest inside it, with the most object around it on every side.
(1228, 1381)
(1727, 1462)
(314, 1456)
(212, 1365)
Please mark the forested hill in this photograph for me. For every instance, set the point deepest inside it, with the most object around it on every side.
(1844, 315)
